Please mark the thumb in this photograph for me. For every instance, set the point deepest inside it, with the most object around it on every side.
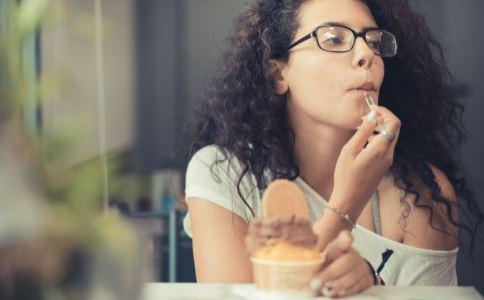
(339, 246)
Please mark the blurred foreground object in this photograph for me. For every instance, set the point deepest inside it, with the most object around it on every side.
(55, 240)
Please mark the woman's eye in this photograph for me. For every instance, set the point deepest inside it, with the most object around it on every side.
(333, 40)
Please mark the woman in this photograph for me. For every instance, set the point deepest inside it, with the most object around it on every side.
(288, 103)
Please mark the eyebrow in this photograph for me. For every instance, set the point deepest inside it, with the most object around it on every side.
(346, 25)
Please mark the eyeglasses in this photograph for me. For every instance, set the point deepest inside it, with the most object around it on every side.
(339, 38)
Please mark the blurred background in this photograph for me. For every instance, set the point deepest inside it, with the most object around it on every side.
(115, 80)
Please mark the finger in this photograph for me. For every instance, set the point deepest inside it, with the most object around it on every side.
(360, 286)
(278, 228)
(270, 227)
(390, 123)
(298, 220)
(340, 245)
(388, 145)
(252, 245)
(338, 268)
(277, 222)
(378, 148)
(370, 139)
(358, 272)
(386, 116)
(255, 223)
(343, 285)
(265, 231)
(359, 139)
(394, 142)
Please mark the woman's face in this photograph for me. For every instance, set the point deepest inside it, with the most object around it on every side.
(324, 87)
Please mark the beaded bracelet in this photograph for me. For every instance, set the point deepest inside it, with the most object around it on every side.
(377, 280)
(342, 215)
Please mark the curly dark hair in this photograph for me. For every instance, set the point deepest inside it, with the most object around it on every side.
(248, 121)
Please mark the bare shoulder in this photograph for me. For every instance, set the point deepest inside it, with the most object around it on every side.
(429, 221)
(446, 187)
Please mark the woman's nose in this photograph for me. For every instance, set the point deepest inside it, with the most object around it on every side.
(363, 55)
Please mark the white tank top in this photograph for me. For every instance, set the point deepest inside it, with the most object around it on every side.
(407, 265)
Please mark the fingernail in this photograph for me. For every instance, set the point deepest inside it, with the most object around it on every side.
(327, 290)
(371, 116)
(315, 284)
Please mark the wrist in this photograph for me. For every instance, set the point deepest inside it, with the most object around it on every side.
(331, 224)
(343, 216)
(345, 206)
(377, 280)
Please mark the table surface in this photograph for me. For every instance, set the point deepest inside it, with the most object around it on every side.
(192, 291)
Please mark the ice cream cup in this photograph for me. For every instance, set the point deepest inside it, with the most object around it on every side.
(284, 278)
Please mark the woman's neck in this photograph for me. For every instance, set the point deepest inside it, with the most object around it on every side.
(317, 149)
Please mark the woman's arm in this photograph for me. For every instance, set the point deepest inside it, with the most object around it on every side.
(361, 165)
(218, 244)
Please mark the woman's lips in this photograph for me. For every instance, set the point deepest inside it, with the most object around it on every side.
(363, 91)
(367, 86)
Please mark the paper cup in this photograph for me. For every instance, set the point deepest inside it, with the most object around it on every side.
(285, 278)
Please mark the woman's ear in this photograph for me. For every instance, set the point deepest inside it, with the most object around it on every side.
(278, 72)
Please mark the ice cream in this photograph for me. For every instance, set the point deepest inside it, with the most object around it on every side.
(284, 233)
(280, 250)
(282, 238)
(282, 243)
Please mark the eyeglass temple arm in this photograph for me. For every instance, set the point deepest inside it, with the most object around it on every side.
(304, 38)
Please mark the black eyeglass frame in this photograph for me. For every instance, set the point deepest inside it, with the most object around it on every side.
(356, 34)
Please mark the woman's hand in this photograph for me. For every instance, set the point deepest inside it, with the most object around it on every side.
(344, 271)
(293, 229)
(363, 162)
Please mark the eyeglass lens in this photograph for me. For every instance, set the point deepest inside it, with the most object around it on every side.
(340, 39)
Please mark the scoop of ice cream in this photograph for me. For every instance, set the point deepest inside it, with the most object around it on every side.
(281, 250)
(294, 231)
